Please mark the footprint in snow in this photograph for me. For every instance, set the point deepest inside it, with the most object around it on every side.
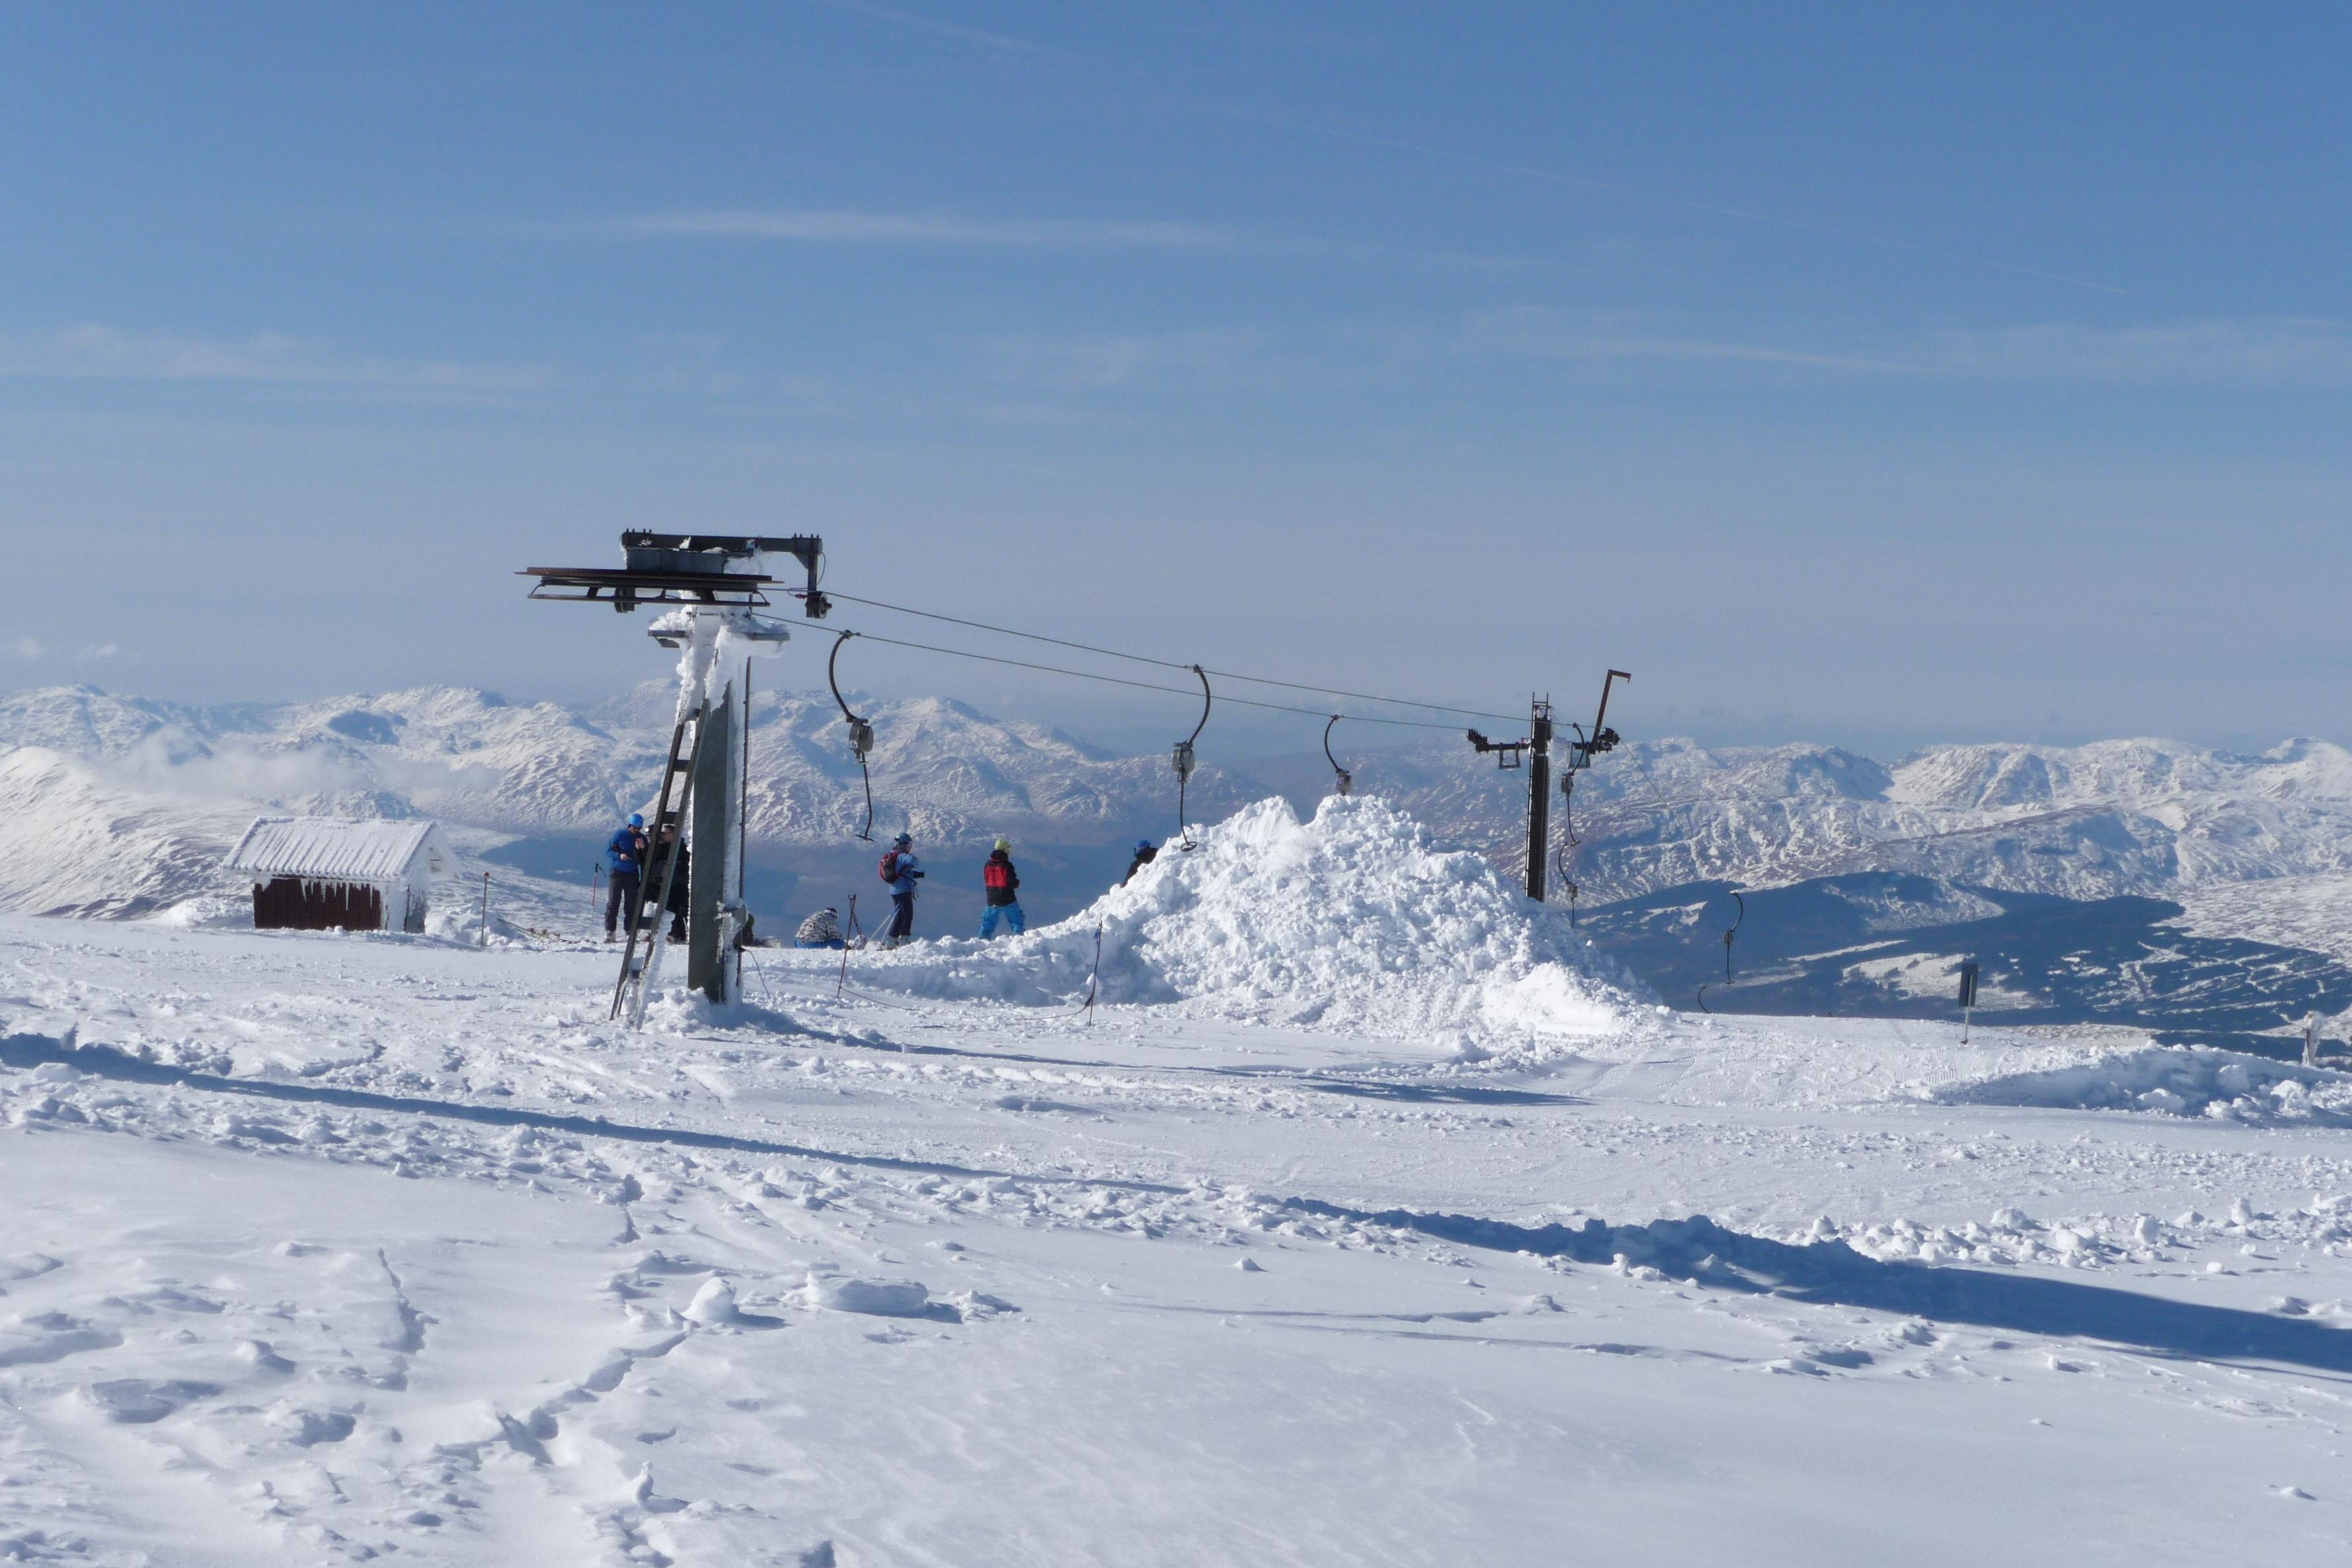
(876, 1297)
(136, 1401)
(52, 1336)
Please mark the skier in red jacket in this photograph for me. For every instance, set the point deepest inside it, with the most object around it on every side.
(1003, 884)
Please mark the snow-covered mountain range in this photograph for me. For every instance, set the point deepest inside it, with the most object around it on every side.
(124, 803)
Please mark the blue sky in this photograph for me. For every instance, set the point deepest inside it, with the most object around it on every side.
(1862, 373)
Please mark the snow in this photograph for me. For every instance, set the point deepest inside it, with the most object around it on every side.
(2146, 817)
(329, 1247)
(1366, 1218)
(1354, 922)
(2180, 1081)
(331, 850)
(85, 846)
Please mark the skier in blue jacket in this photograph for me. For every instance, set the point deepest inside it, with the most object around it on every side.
(905, 872)
(627, 853)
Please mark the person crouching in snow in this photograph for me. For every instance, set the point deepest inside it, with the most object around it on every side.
(821, 929)
(1004, 884)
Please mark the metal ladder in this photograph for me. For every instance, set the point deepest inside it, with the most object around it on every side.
(641, 958)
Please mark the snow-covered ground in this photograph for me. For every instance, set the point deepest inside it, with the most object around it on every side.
(322, 1249)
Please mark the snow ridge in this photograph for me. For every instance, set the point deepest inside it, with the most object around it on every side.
(1352, 921)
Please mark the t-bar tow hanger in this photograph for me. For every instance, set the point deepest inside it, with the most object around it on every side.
(1184, 764)
(861, 733)
(1343, 781)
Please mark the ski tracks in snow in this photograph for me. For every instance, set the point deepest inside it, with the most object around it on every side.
(1051, 1312)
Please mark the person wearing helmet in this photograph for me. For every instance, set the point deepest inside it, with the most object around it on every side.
(627, 852)
(902, 871)
(1002, 884)
(1144, 854)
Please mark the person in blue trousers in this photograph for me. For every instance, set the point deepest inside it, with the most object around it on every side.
(627, 853)
(902, 871)
(1004, 884)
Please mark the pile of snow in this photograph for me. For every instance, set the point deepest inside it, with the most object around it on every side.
(1353, 921)
(2178, 1081)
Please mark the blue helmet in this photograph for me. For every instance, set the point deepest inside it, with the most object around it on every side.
(1143, 843)
(904, 838)
(636, 819)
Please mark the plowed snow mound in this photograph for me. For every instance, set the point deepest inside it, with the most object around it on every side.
(1351, 922)
(2178, 1080)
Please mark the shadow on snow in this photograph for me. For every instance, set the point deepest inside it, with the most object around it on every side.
(1824, 1273)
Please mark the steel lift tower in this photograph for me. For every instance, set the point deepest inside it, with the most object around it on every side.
(710, 587)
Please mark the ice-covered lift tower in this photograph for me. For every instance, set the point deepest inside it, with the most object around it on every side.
(710, 587)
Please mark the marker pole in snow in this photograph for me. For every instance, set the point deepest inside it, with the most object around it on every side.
(1093, 981)
(2311, 1041)
(1968, 998)
(486, 908)
(850, 938)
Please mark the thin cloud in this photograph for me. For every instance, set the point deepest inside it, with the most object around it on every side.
(2260, 352)
(1002, 43)
(817, 226)
(2253, 353)
(1601, 336)
(835, 227)
(28, 647)
(1117, 360)
(104, 353)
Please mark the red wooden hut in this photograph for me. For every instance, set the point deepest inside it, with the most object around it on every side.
(326, 873)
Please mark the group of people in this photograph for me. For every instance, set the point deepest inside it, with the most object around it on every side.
(640, 863)
(999, 886)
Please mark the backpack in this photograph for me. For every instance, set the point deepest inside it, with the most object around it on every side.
(997, 874)
(890, 866)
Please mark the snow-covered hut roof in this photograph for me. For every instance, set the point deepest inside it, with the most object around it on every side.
(332, 849)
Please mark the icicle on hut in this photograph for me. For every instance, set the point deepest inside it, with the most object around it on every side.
(323, 873)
